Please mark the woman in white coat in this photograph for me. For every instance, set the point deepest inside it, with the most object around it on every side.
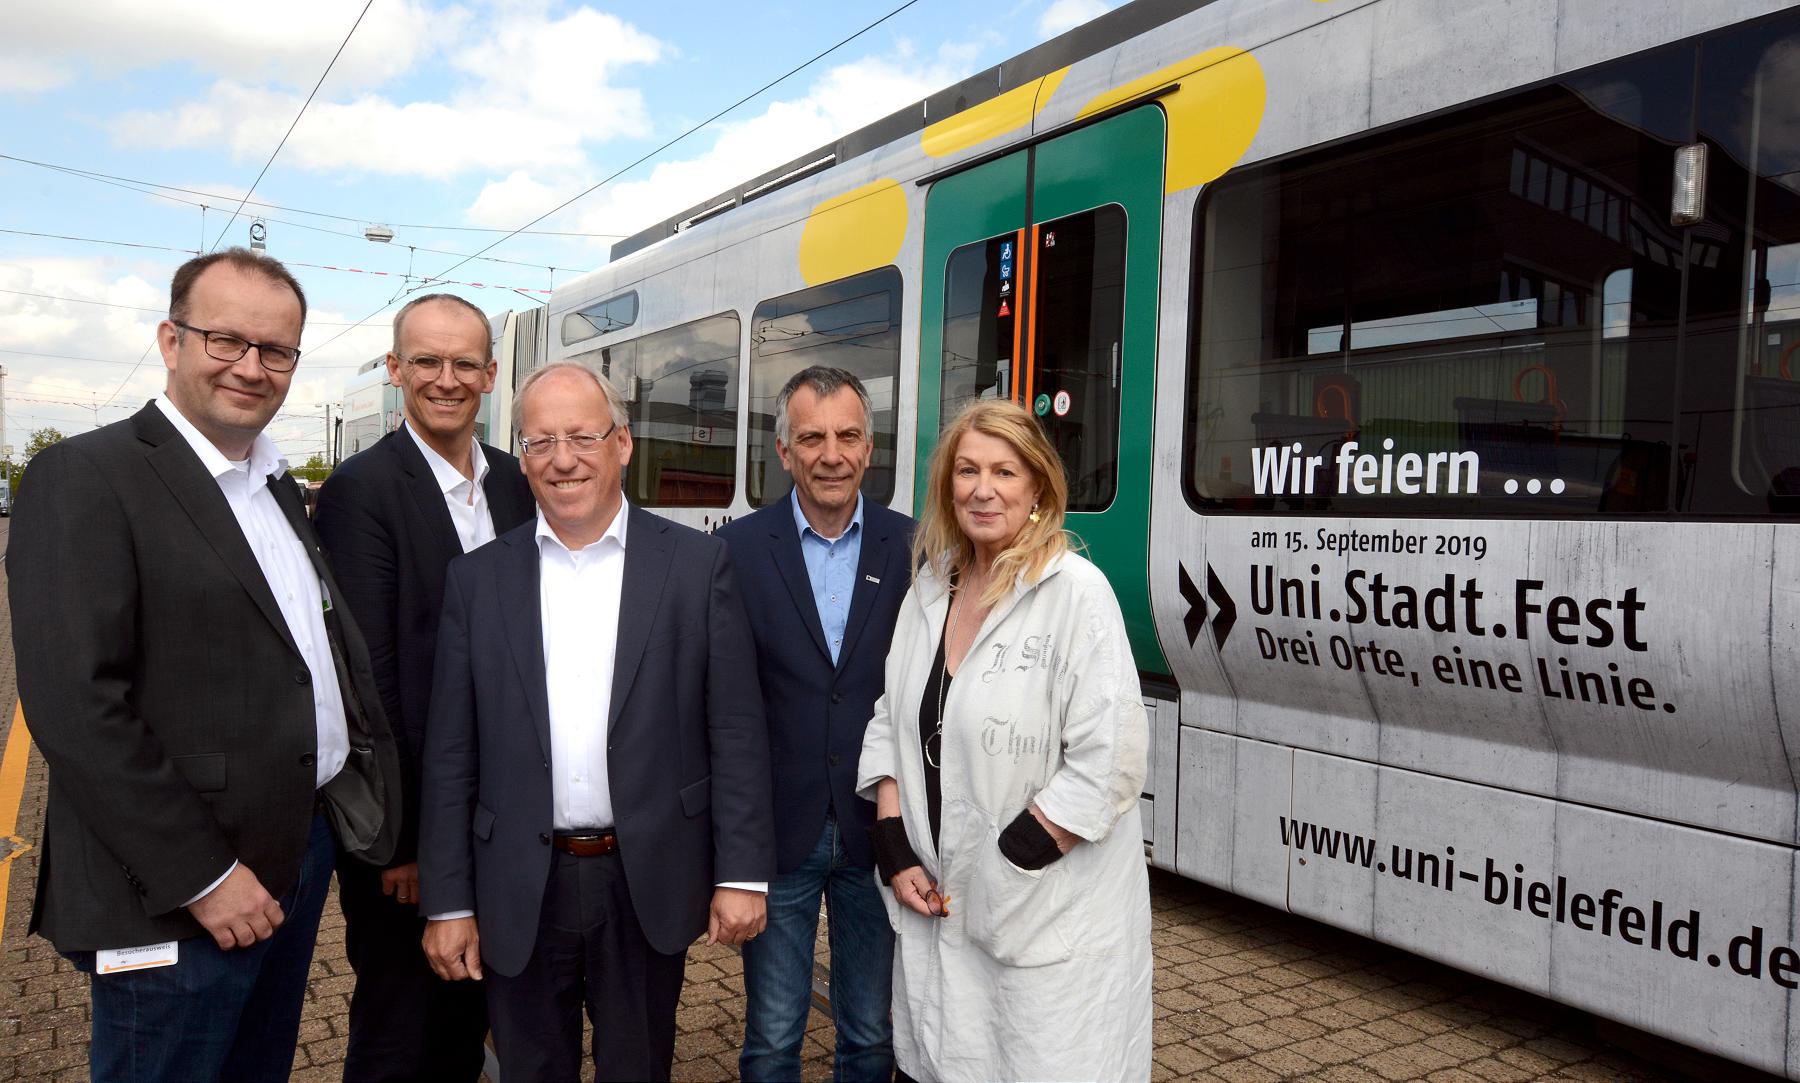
(1005, 761)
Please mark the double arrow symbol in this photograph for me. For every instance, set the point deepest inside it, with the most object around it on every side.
(1196, 614)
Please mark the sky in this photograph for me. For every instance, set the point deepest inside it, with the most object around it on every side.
(129, 132)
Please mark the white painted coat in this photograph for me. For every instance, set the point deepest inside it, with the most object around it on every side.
(1040, 975)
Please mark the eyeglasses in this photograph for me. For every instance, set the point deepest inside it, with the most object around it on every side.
(226, 347)
(581, 443)
(467, 369)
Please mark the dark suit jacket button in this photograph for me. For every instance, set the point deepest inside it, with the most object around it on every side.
(306, 760)
(837, 697)
(543, 838)
(301, 676)
(835, 759)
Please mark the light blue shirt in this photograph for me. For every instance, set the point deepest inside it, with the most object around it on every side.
(831, 569)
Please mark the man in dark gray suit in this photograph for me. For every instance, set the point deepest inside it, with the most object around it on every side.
(392, 517)
(206, 709)
(596, 794)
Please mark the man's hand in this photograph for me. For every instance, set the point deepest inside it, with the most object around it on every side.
(737, 915)
(238, 912)
(918, 893)
(402, 882)
(454, 948)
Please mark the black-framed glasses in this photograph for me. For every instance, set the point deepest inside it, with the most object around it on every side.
(467, 369)
(221, 346)
(581, 443)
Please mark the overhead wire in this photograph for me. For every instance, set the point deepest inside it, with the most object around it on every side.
(98, 240)
(267, 218)
(76, 300)
(509, 234)
(279, 417)
(128, 182)
(315, 266)
(616, 174)
(67, 357)
(295, 124)
(133, 308)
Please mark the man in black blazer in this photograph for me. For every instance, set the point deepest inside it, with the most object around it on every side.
(391, 518)
(596, 794)
(824, 572)
(206, 707)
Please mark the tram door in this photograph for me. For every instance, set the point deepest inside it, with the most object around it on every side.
(1040, 287)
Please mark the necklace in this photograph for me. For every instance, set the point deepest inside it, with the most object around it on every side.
(937, 734)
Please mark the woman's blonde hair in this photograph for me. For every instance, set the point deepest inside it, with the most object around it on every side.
(940, 544)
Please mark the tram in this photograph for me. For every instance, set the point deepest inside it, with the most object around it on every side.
(1425, 374)
(370, 409)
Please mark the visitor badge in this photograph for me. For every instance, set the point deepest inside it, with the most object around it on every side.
(119, 960)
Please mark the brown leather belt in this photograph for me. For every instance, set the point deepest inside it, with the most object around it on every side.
(592, 844)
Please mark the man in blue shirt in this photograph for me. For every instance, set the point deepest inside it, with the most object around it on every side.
(823, 574)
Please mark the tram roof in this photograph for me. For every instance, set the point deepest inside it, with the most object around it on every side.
(1113, 28)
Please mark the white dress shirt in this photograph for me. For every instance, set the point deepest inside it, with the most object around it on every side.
(291, 578)
(465, 497)
(579, 599)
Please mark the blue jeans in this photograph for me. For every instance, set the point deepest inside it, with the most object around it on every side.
(214, 1015)
(778, 968)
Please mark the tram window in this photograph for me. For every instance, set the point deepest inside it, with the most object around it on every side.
(1078, 306)
(1740, 401)
(1476, 314)
(1068, 356)
(980, 324)
(613, 314)
(360, 433)
(851, 324)
(680, 389)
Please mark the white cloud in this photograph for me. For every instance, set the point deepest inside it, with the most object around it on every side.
(503, 204)
(1065, 15)
(562, 69)
(59, 392)
(533, 92)
(261, 40)
(371, 134)
(47, 391)
(26, 75)
(841, 100)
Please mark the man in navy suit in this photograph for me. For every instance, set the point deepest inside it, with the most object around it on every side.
(823, 575)
(596, 791)
(391, 519)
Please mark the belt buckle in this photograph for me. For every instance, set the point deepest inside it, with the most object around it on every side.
(596, 844)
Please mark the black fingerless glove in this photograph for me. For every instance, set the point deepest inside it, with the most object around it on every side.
(893, 854)
(1026, 844)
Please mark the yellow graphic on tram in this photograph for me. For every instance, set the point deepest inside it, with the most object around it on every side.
(991, 119)
(1213, 117)
(859, 230)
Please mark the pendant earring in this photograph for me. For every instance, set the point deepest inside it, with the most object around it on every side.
(1034, 512)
